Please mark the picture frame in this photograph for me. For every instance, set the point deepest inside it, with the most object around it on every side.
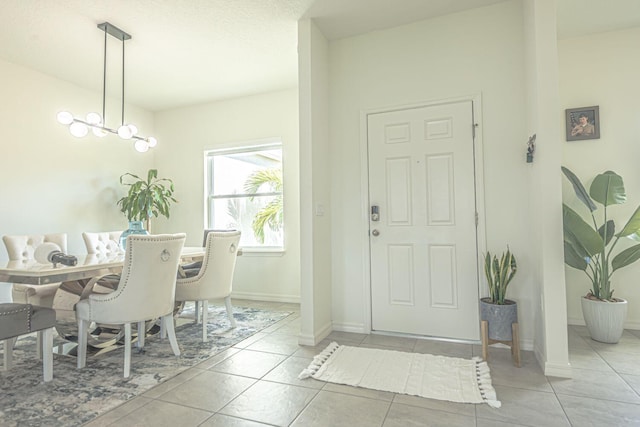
(582, 123)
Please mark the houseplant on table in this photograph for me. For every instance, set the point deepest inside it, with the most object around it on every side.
(145, 199)
(590, 248)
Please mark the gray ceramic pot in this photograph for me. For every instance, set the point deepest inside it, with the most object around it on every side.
(499, 317)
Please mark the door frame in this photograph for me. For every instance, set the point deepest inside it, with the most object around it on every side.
(476, 99)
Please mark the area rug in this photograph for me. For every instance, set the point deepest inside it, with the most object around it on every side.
(74, 396)
(434, 377)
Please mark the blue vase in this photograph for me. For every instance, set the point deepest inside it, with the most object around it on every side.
(135, 227)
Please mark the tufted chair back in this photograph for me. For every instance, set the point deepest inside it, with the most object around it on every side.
(103, 243)
(22, 247)
(215, 278)
(146, 291)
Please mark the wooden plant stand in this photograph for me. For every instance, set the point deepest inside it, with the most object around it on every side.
(514, 343)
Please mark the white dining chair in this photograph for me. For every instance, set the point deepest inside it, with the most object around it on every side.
(102, 243)
(22, 248)
(146, 291)
(215, 278)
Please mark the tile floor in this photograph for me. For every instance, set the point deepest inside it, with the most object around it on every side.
(255, 383)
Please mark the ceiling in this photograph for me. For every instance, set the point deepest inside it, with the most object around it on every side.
(186, 52)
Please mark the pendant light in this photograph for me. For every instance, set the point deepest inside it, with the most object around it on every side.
(94, 121)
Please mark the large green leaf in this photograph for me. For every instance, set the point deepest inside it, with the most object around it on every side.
(626, 257)
(608, 189)
(580, 232)
(581, 192)
(610, 231)
(572, 259)
(633, 225)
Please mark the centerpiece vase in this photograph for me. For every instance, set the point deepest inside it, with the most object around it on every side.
(135, 227)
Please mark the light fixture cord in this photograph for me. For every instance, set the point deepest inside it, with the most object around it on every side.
(123, 80)
(104, 78)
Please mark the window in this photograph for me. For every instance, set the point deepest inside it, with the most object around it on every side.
(244, 192)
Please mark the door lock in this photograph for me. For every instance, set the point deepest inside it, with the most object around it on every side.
(375, 213)
(375, 232)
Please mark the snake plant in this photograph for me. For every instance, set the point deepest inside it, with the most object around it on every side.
(499, 273)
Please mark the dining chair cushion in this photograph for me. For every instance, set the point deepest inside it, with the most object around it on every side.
(20, 319)
(102, 242)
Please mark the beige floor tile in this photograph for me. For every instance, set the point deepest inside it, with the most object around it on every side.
(270, 403)
(219, 420)
(252, 339)
(528, 376)
(633, 381)
(359, 391)
(214, 360)
(527, 407)
(408, 416)
(115, 414)
(444, 348)
(164, 414)
(287, 372)
(209, 391)
(587, 358)
(171, 383)
(587, 412)
(249, 363)
(276, 343)
(482, 422)
(623, 363)
(346, 337)
(467, 409)
(346, 411)
(596, 384)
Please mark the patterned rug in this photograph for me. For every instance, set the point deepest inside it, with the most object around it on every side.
(74, 396)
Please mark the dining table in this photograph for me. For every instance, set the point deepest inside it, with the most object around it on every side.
(93, 273)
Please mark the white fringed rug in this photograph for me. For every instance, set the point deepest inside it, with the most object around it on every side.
(434, 377)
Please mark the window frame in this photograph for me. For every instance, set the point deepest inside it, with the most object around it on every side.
(243, 147)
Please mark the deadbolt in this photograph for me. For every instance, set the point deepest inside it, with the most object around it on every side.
(375, 232)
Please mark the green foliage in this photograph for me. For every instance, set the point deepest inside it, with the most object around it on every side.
(146, 198)
(270, 215)
(499, 274)
(589, 247)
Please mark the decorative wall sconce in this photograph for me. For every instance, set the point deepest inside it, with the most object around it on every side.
(79, 127)
(531, 148)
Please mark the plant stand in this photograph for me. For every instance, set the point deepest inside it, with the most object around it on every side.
(514, 343)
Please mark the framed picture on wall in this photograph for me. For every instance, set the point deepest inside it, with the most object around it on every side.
(583, 123)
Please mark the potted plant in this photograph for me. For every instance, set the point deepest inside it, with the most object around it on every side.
(145, 199)
(499, 312)
(590, 248)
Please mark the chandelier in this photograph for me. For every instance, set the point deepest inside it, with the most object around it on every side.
(94, 121)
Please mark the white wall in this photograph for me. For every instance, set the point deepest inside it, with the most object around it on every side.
(188, 132)
(602, 70)
(475, 51)
(51, 181)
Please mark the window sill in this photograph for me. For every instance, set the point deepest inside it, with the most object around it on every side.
(250, 252)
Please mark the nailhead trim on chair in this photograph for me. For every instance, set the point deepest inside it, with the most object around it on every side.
(26, 308)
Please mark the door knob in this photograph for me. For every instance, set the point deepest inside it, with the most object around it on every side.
(375, 232)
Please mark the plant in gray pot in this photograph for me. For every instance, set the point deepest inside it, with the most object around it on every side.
(499, 315)
(590, 248)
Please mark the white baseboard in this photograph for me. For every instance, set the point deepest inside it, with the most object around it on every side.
(313, 340)
(356, 328)
(253, 296)
(561, 370)
(579, 321)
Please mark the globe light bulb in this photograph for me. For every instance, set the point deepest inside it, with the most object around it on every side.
(124, 132)
(78, 129)
(152, 142)
(133, 128)
(64, 117)
(141, 146)
(94, 119)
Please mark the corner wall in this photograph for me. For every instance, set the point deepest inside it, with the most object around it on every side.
(602, 70)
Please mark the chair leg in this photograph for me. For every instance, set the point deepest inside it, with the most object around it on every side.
(197, 311)
(39, 345)
(83, 331)
(205, 312)
(46, 336)
(168, 321)
(127, 349)
(227, 302)
(8, 353)
(141, 334)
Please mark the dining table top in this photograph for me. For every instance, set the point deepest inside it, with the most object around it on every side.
(89, 265)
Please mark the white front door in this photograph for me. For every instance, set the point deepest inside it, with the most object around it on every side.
(423, 246)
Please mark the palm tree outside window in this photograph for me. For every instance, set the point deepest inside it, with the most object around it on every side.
(245, 192)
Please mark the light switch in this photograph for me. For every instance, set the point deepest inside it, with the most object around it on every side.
(319, 209)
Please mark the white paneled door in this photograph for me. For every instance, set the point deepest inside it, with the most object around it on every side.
(424, 277)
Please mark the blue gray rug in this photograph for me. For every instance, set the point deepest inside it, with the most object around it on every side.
(75, 397)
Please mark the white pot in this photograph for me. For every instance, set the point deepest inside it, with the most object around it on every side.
(604, 319)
